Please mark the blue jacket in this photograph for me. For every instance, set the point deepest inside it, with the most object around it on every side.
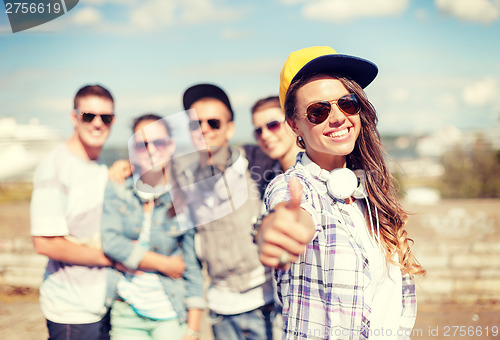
(123, 215)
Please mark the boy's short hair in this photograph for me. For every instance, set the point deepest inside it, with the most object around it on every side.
(92, 90)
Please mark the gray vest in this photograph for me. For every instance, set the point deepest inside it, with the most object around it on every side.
(223, 207)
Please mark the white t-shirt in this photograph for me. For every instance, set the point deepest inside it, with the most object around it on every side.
(144, 290)
(386, 281)
(67, 201)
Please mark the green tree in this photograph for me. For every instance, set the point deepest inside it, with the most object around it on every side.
(471, 173)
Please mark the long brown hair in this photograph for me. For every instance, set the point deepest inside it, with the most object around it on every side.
(381, 186)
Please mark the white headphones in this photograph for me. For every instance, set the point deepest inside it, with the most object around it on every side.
(343, 183)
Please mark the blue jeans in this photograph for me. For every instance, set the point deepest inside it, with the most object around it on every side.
(85, 331)
(253, 325)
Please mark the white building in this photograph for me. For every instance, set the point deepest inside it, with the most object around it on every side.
(22, 146)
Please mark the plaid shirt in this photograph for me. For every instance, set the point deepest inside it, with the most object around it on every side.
(324, 293)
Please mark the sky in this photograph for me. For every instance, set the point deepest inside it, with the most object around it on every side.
(439, 60)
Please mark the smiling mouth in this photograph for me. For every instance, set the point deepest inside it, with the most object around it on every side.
(97, 133)
(270, 146)
(338, 134)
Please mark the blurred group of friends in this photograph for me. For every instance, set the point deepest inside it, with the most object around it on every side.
(299, 236)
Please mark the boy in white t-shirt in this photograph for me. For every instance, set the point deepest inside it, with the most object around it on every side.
(66, 209)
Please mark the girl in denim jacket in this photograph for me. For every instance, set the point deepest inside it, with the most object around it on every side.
(156, 289)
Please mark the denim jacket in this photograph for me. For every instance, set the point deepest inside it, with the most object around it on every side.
(123, 215)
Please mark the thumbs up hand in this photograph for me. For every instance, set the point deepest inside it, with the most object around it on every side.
(284, 234)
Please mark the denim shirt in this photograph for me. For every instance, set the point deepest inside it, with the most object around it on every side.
(123, 216)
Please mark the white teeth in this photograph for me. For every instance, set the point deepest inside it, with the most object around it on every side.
(338, 133)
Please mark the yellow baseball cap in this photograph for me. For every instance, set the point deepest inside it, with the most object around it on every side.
(322, 59)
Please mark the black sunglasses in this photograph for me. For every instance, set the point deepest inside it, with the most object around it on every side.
(272, 126)
(88, 117)
(318, 112)
(196, 124)
(159, 144)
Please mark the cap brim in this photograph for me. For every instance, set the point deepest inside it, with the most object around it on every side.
(200, 91)
(360, 70)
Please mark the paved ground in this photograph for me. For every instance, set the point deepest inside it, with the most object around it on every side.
(21, 319)
(20, 315)
(452, 321)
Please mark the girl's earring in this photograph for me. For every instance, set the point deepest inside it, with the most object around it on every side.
(300, 142)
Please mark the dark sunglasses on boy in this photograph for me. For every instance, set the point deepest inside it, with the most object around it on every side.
(196, 124)
(318, 112)
(160, 144)
(87, 117)
(272, 126)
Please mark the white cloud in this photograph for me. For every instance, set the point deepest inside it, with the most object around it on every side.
(153, 14)
(155, 102)
(427, 102)
(5, 30)
(447, 101)
(232, 34)
(481, 93)
(242, 99)
(106, 2)
(203, 11)
(341, 11)
(420, 103)
(240, 67)
(54, 104)
(483, 11)
(422, 14)
(292, 2)
(145, 16)
(87, 16)
(399, 95)
(22, 79)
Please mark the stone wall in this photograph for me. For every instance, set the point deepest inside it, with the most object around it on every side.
(458, 242)
(463, 273)
(19, 264)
